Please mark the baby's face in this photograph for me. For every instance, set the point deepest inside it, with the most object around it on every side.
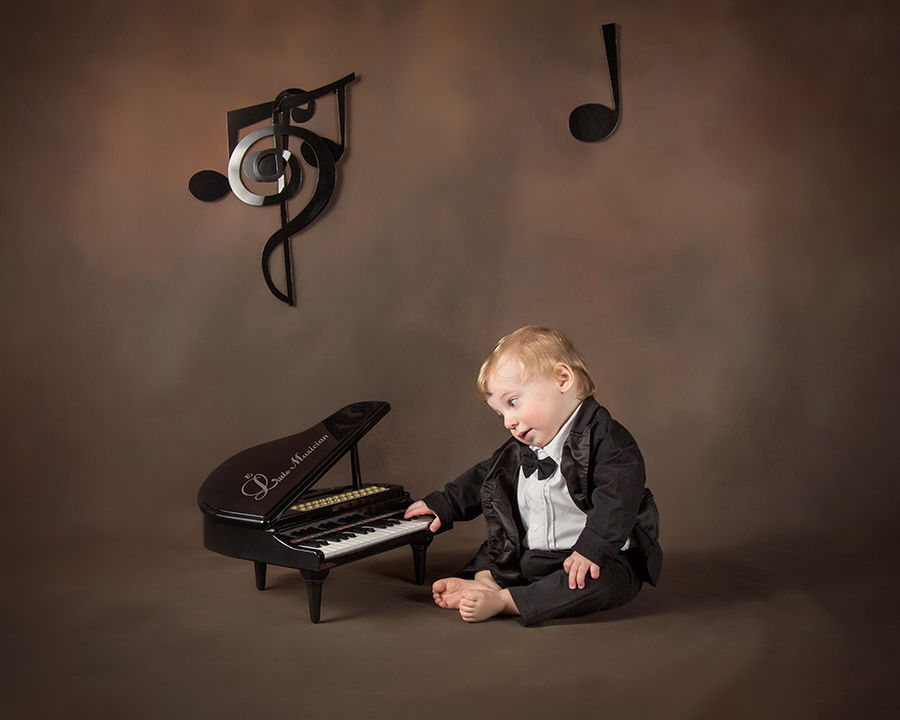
(533, 409)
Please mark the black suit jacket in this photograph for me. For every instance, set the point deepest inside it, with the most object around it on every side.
(604, 473)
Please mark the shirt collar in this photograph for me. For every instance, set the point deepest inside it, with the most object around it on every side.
(553, 448)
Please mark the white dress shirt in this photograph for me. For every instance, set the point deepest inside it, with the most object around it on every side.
(552, 520)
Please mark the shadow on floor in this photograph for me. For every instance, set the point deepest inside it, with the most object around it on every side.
(690, 581)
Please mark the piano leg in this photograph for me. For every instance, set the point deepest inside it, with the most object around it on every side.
(419, 549)
(314, 579)
(260, 570)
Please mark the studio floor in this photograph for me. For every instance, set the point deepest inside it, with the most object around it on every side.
(786, 629)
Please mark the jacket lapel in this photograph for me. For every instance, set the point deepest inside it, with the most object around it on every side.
(576, 454)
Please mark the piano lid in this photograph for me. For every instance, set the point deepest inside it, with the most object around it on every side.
(259, 483)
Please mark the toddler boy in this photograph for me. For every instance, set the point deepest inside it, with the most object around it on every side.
(571, 529)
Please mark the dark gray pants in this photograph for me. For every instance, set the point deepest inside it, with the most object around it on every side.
(547, 595)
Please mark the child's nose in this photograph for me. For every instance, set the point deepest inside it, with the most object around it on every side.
(510, 422)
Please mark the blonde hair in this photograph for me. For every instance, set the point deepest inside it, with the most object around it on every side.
(538, 349)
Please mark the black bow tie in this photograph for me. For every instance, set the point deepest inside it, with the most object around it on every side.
(529, 459)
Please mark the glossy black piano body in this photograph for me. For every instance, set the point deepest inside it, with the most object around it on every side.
(261, 505)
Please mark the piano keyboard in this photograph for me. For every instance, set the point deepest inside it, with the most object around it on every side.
(350, 533)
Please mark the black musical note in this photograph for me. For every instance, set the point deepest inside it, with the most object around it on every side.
(208, 185)
(279, 164)
(593, 122)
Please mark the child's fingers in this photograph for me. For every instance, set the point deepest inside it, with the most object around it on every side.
(578, 567)
(419, 508)
(578, 572)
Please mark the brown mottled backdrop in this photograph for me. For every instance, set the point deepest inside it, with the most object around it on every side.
(727, 262)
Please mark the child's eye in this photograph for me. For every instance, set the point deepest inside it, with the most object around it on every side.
(512, 401)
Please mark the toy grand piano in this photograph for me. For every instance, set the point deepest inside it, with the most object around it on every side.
(261, 505)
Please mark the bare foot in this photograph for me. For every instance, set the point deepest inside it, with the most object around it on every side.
(476, 605)
(447, 592)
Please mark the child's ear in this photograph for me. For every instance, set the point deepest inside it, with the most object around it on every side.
(564, 377)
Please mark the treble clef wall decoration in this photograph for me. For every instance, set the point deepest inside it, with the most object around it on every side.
(279, 164)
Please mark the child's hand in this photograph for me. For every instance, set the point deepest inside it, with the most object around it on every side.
(420, 508)
(577, 565)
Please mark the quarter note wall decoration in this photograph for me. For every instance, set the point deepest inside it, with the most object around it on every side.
(592, 121)
(264, 155)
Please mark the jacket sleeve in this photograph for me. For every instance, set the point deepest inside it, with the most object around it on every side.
(616, 486)
(460, 499)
